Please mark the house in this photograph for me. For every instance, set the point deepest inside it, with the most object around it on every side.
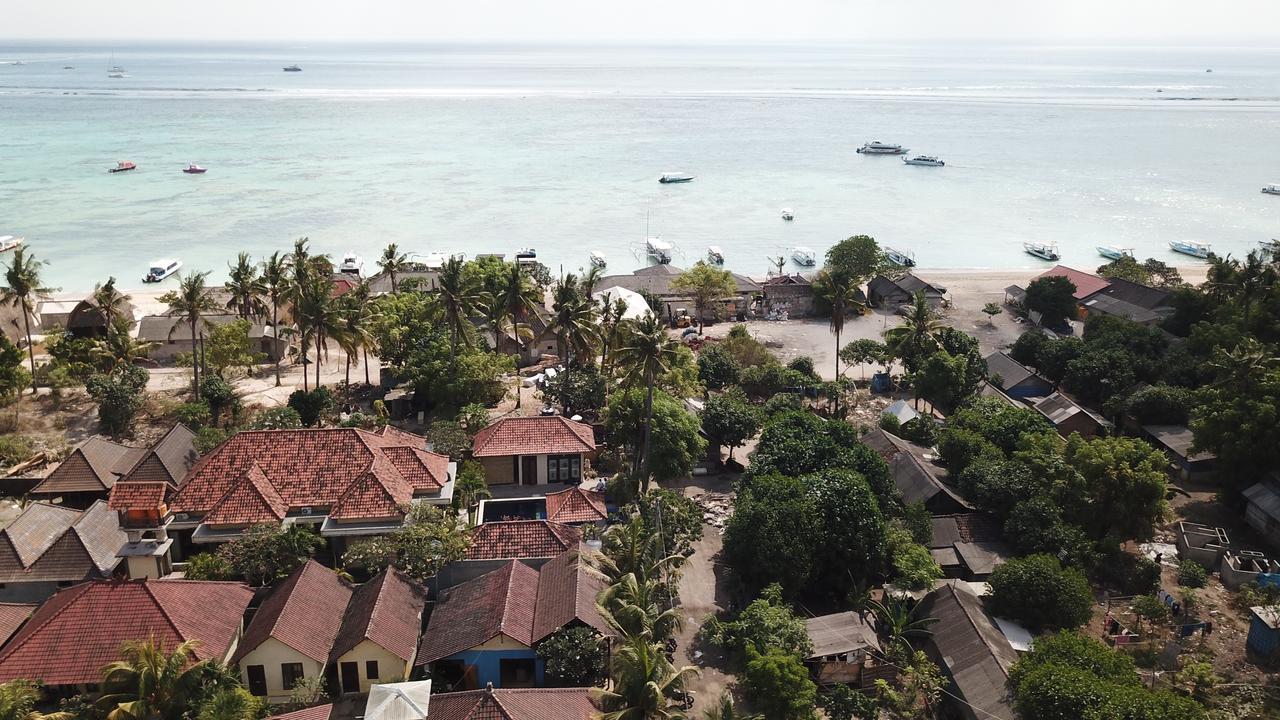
(486, 630)
(575, 506)
(1086, 284)
(967, 546)
(88, 472)
(534, 450)
(986, 389)
(48, 547)
(1015, 379)
(1264, 631)
(914, 473)
(12, 616)
(842, 644)
(169, 460)
(1068, 417)
(170, 335)
(494, 544)
(790, 293)
(378, 639)
(656, 280)
(1175, 441)
(1138, 295)
(971, 651)
(886, 292)
(87, 320)
(1104, 304)
(1262, 511)
(347, 482)
(514, 704)
(77, 632)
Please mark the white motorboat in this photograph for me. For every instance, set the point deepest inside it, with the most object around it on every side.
(1115, 252)
(1044, 251)
(598, 259)
(1272, 189)
(434, 260)
(351, 263)
(675, 177)
(901, 258)
(1270, 247)
(524, 254)
(875, 147)
(9, 242)
(161, 269)
(803, 256)
(787, 214)
(659, 250)
(1191, 247)
(715, 255)
(292, 68)
(926, 160)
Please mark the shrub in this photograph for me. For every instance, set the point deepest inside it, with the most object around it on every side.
(194, 415)
(1191, 573)
(574, 657)
(119, 395)
(14, 449)
(781, 404)
(766, 622)
(208, 566)
(717, 368)
(208, 438)
(311, 405)
(778, 683)
(769, 379)
(280, 418)
(1040, 593)
(920, 430)
(448, 438)
(218, 393)
(804, 366)
(473, 417)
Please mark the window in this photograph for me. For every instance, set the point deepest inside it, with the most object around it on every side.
(371, 669)
(516, 673)
(564, 468)
(291, 673)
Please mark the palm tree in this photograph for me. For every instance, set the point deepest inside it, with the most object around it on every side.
(590, 279)
(633, 607)
(645, 684)
(1243, 366)
(647, 352)
(147, 683)
(21, 290)
(470, 488)
(458, 300)
(520, 299)
(245, 288)
(18, 699)
(118, 348)
(275, 287)
(391, 262)
(630, 549)
(191, 301)
(358, 333)
(916, 336)
(899, 624)
(841, 292)
(320, 317)
(113, 304)
(724, 711)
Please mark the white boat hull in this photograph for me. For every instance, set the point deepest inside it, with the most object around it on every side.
(1113, 253)
(1195, 251)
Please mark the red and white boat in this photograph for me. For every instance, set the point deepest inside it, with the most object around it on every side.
(194, 169)
(122, 166)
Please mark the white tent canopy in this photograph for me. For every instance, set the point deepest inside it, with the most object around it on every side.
(398, 701)
(637, 307)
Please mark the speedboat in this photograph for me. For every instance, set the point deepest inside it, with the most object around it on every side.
(1044, 251)
(161, 269)
(9, 242)
(1114, 252)
(1191, 247)
(787, 214)
(926, 160)
(875, 147)
(804, 256)
(901, 258)
(194, 169)
(68, 67)
(351, 263)
(658, 250)
(715, 255)
(117, 72)
(435, 260)
(292, 68)
(526, 255)
(598, 259)
(123, 166)
(675, 177)
(1272, 189)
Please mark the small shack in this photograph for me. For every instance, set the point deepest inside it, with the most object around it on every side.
(1264, 631)
(1263, 509)
(886, 292)
(1015, 379)
(1176, 442)
(842, 644)
(1069, 417)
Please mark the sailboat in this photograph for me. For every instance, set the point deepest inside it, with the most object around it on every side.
(116, 71)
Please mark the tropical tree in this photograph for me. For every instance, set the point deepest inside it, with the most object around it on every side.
(113, 304)
(611, 325)
(629, 548)
(647, 352)
(359, 314)
(191, 301)
(147, 683)
(898, 624)
(706, 284)
(391, 262)
(320, 317)
(245, 288)
(520, 298)
(118, 347)
(471, 486)
(21, 290)
(635, 608)
(725, 710)
(841, 292)
(917, 336)
(231, 703)
(458, 300)
(645, 684)
(276, 281)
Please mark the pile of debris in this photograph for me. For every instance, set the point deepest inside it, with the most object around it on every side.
(716, 508)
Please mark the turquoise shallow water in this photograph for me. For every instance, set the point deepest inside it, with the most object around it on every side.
(490, 148)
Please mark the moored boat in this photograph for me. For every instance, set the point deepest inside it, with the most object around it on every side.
(803, 256)
(526, 255)
(1191, 247)
(658, 250)
(598, 259)
(875, 147)
(675, 177)
(122, 166)
(9, 242)
(925, 160)
(1272, 189)
(787, 214)
(352, 264)
(715, 255)
(292, 68)
(1114, 252)
(194, 169)
(1044, 251)
(1271, 246)
(161, 269)
(901, 258)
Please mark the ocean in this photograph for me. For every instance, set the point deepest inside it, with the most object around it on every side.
(490, 148)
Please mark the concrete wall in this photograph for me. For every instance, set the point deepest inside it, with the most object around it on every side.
(1206, 545)
(1236, 570)
(390, 667)
(271, 654)
(488, 662)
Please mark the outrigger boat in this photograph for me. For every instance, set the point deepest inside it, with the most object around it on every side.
(715, 255)
(675, 177)
(804, 256)
(787, 214)
(598, 259)
(1192, 248)
(122, 166)
(194, 169)
(1272, 189)
(1114, 252)
(901, 258)
(9, 242)
(659, 250)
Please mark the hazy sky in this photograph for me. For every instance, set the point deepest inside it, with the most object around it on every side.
(1078, 21)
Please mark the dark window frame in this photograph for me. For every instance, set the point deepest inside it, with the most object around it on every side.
(564, 468)
(287, 674)
(371, 669)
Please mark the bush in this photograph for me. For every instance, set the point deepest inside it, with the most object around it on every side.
(717, 368)
(1191, 574)
(14, 449)
(769, 379)
(280, 418)
(574, 657)
(919, 430)
(311, 405)
(781, 404)
(778, 684)
(208, 566)
(119, 396)
(448, 438)
(208, 438)
(766, 622)
(194, 415)
(1040, 593)
(473, 417)
(218, 393)
(804, 366)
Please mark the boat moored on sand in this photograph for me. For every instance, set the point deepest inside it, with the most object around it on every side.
(925, 160)
(803, 256)
(161, 269)
(715, 255)
(1044, 251)
(122, 166)
(875, 147)
(9, 242)
(1192, 248)
(675, 177)
(1115, 252)
(901, 258)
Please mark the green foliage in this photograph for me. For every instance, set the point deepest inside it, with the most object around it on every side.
(228, 350)
(962, 448)
(430, 539)
(1126, 268)
(218, 394)
(1095, 376)
(580, 391)
(768, 622)
(14, 449)
(778, 684)
(940, 379)
(729, 419)
(912, 565)
(279, 418)
(863, 351)
(208, 438)
(1160, 405)
(781, 404)
(1053, 297)
(266, 553)
(1238, 416)
(799, 442)
(574, 657)
(921, 430)
(194, 415)
(470, 487)
(1036, 525)
(311, 406)
(675, 441)
(858, 257)
(717, 367)
(1125, 483)
(13, 376)
(1191, 574)
(706, 284)
(119, 395)
(803, 365)
(841, 702)
(670, 517)
(208, 566)
(448, 438)
(74, 354)
(18, 700)
(770, 378)
(998, 423)
(1040, 593)
(745, 350)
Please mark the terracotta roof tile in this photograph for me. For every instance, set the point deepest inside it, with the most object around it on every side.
(135, 495)
(317, 712)
(80, 630)
(576, 505)
(567, 592)
(304, 612)
(499, 602)
(388, 611)
(533, 436)
(1086, 284)
(512, 704)
(514, 539)
(12, 615)
(369, 498)
(426, 472)
(253, 500)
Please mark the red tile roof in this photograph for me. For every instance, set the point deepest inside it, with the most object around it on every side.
(567, 591)
(533, 436)
(134, 495)
(576, 505)
(386, 610)
(316, 712)
(80, 630)
(12, 615)
(304, 612)
(512, 704)
(512, 539)
(310, 468)
(1085, 283)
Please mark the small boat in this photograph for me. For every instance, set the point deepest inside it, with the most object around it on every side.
(9, 242)
(194, 169)
(658, 250)
(598, 260)
(19, 62)
(116, 71)
(1269, 247)
(926, 160)
(675, 177)
(715, 255)
(1044, 251)
(122, 166)
(1115, 252)
(803, 256)
(161, 269)
(292, 68)
(526, 254)
(435, 260)
(875, 147)
(68, 67)
(901, 258)
(1191, 247)
(787, 214)
(351, 264)
(1272, 189)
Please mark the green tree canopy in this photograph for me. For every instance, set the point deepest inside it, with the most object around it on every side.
(858, 257)
(676, 442)
(728, 419)
(706, 284)
(1125, 482)
(717, 367)
(1040, 593)
(778, 684)
(1053, 297)
(267, 552)
(429, 539)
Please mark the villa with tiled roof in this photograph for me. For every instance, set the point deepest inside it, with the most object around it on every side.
(95, 466)
(48, 547)
(344, 481)
(534, 450)
(575, 506)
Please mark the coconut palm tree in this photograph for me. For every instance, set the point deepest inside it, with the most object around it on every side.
(18, 699)
(841, 292)
(470, 488)
(646, 352)
(611, 315)
(118, 348)
(191, 301)
(916, 336)
(899, 624)
(147, 683)
(392, 262)
(320, 317)
(358, 334)
(630, 549)
(276, 281)
(574, 322)
(21, 290)
(634, 607)
(520, 299)
(245, 288)
(589, 280)
(458, 300)
(724, 711)
(645, 684)
(113, 304)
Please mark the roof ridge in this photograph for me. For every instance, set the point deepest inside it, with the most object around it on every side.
(955, 591)
(164, 612)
